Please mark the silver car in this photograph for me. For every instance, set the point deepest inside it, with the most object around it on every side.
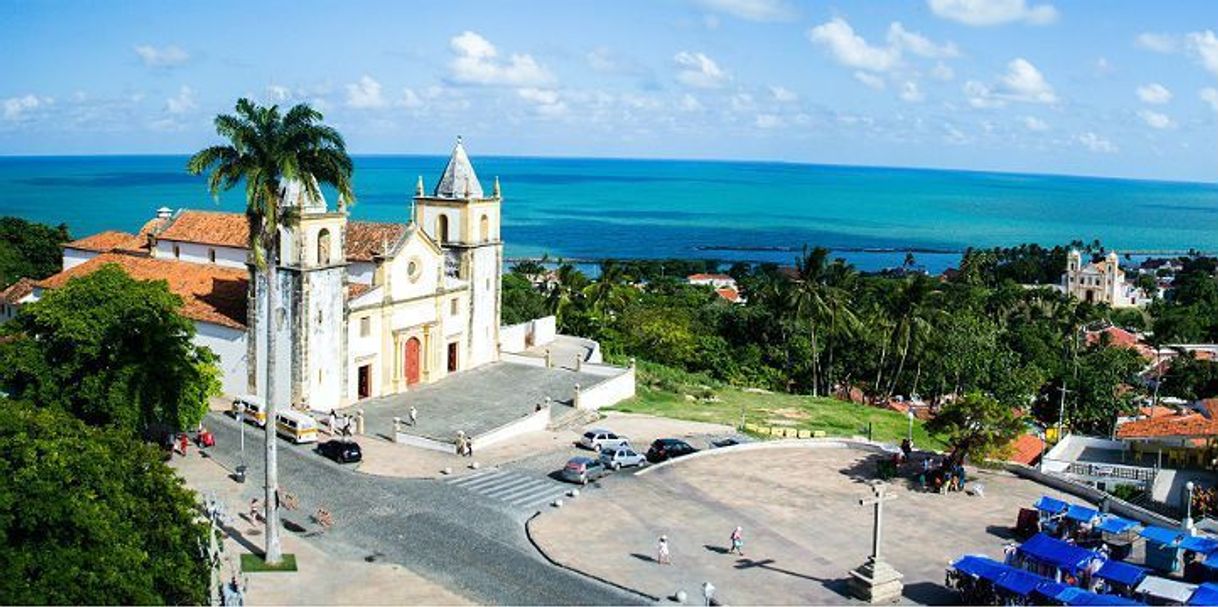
(600, 438)
(617, 458)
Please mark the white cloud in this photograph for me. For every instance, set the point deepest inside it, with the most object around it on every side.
(477, 62)
(1032, 123)
(17, 109)
(1156, 120)
(742, 102)
(768, 121)
(871, 80)
(689, 103)
(545, 101)
(911, 93)
(365, 94)
(278, 93)
(1103, 67)
(1210, 96)
(699, 71)
(752, 10)
(942, 71)
(181, 103)
(1096, 143)
(852, 50)
(410, 99)
(166, 56)
(901, 39)
(783, 94)
(1205, 46)
(601, 60)
(1154, 93)
(1021, 82)
(1159, 43)
(993, 12)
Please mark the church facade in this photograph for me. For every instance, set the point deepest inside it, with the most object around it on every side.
(362, 309)
(1100, 282)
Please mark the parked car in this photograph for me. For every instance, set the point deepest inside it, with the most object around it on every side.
(597, 439)
(729, 441)
(341, 451)
(668, 448)
(583, 470)
(621, 457)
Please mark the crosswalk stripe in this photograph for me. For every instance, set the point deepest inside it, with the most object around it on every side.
(532, 485)
(507, 486)
(458, 480)
(536, 499)
(510, 487)
(488, 479)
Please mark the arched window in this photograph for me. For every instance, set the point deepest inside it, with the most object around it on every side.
(323, 247)
(442, 229)
(485, 226)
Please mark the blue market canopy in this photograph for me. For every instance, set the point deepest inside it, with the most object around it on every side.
(1054, 590)
(1049, 504)
(1199, 543)
(1019, 581)
(1210, 563)
(1164, 589)
(1121, 573)
(979, 566)
(1091, 598)
(1112, 523)
(1081, 514)
(1057, 553)
(1160, 535)
(1206, 594)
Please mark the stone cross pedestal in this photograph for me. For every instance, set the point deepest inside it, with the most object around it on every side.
(876, 581)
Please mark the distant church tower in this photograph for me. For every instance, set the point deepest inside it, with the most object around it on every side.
(310, 338)
(465, 223)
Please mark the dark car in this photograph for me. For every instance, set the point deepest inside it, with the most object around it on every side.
(343, 452)
(668, 448)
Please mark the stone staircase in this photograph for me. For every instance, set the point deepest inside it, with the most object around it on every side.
(566, 417)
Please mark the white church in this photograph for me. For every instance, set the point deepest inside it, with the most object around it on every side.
(365, 308)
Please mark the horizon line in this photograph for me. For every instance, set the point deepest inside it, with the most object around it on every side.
(1024, 173)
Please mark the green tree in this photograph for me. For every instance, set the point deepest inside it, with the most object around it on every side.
(977, 426)
(29, 250)
(92, 516)
(267, 151)
(110, 350)
(521, 302)
(1190, 378)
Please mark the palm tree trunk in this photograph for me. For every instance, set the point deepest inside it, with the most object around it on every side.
(879, 370)
(815, 364)
(892, 388)
(274, 553)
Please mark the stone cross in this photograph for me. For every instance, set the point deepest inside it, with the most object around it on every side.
(880, 491)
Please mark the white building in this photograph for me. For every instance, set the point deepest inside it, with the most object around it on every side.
(1101, 282)
(364, 308)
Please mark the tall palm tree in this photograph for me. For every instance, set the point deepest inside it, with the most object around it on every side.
(268, 150)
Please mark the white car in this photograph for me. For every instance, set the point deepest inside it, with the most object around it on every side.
(622, 457)
(597, 439)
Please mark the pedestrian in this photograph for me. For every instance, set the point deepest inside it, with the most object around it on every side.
(333, 423)
(183, 442)
(414, 415)
(1008, 552)
(469, 448)
(708, 593)
(254, 510)
(663, 556)
(737, 541)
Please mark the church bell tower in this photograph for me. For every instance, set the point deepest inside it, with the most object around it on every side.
(464, 221)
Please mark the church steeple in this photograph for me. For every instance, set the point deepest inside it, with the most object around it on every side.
(459, 180)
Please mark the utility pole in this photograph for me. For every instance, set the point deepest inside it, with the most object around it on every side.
(1061, 411)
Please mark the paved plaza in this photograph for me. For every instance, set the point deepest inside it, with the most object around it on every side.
(474, 401)
(803, 526)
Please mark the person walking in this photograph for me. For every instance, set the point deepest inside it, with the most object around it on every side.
(414, 415)
(737, 541)
(663, 556)
(333, 423)
(708, 593)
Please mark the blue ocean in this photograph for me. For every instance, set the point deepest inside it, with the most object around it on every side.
(587, 209)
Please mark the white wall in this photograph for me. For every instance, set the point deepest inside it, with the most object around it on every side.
(75, 257)
(544, 330)
(608, 392)
(323, 368)
(512, 337)
(533, 422)
(360, 271)
(230, 346)
(199, 253)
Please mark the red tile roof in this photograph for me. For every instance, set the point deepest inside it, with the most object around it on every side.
(1026, 449)
(355, 289)
(209, 293)
(365, 239)
(1191, 425)
(104, 242)
(14, 292)
(1120, 338)
(729, 294)
(708, 277)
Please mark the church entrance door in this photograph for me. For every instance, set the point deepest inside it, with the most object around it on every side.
(412, 361)
(365, 381)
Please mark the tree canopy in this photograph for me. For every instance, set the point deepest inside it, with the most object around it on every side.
(977, 426)
(29, 250)
(110, 350)
(92, 516)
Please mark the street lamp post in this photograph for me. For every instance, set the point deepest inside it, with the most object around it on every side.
(1188, 508)
(911, 418)
(1061, 411)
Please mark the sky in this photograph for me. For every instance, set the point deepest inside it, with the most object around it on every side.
(1123, 89)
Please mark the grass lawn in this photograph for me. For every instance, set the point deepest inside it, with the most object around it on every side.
(834, 417)
(253, 563)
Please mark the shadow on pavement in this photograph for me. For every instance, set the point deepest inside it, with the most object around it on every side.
(927, 593)
(716, 549)
(768, 565)
(1000, 531)
(643, 557)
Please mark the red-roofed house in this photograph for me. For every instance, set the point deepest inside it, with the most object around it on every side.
(14, 296)
(1026, 449)
(1120, 338)
(718, 281)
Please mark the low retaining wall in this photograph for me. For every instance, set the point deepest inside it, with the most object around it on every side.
(1115, 505)
(611, 391)
(520, 359)
(424, 443)
(520, 336)
(533, 422)
(814, 443)
(512, 337)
